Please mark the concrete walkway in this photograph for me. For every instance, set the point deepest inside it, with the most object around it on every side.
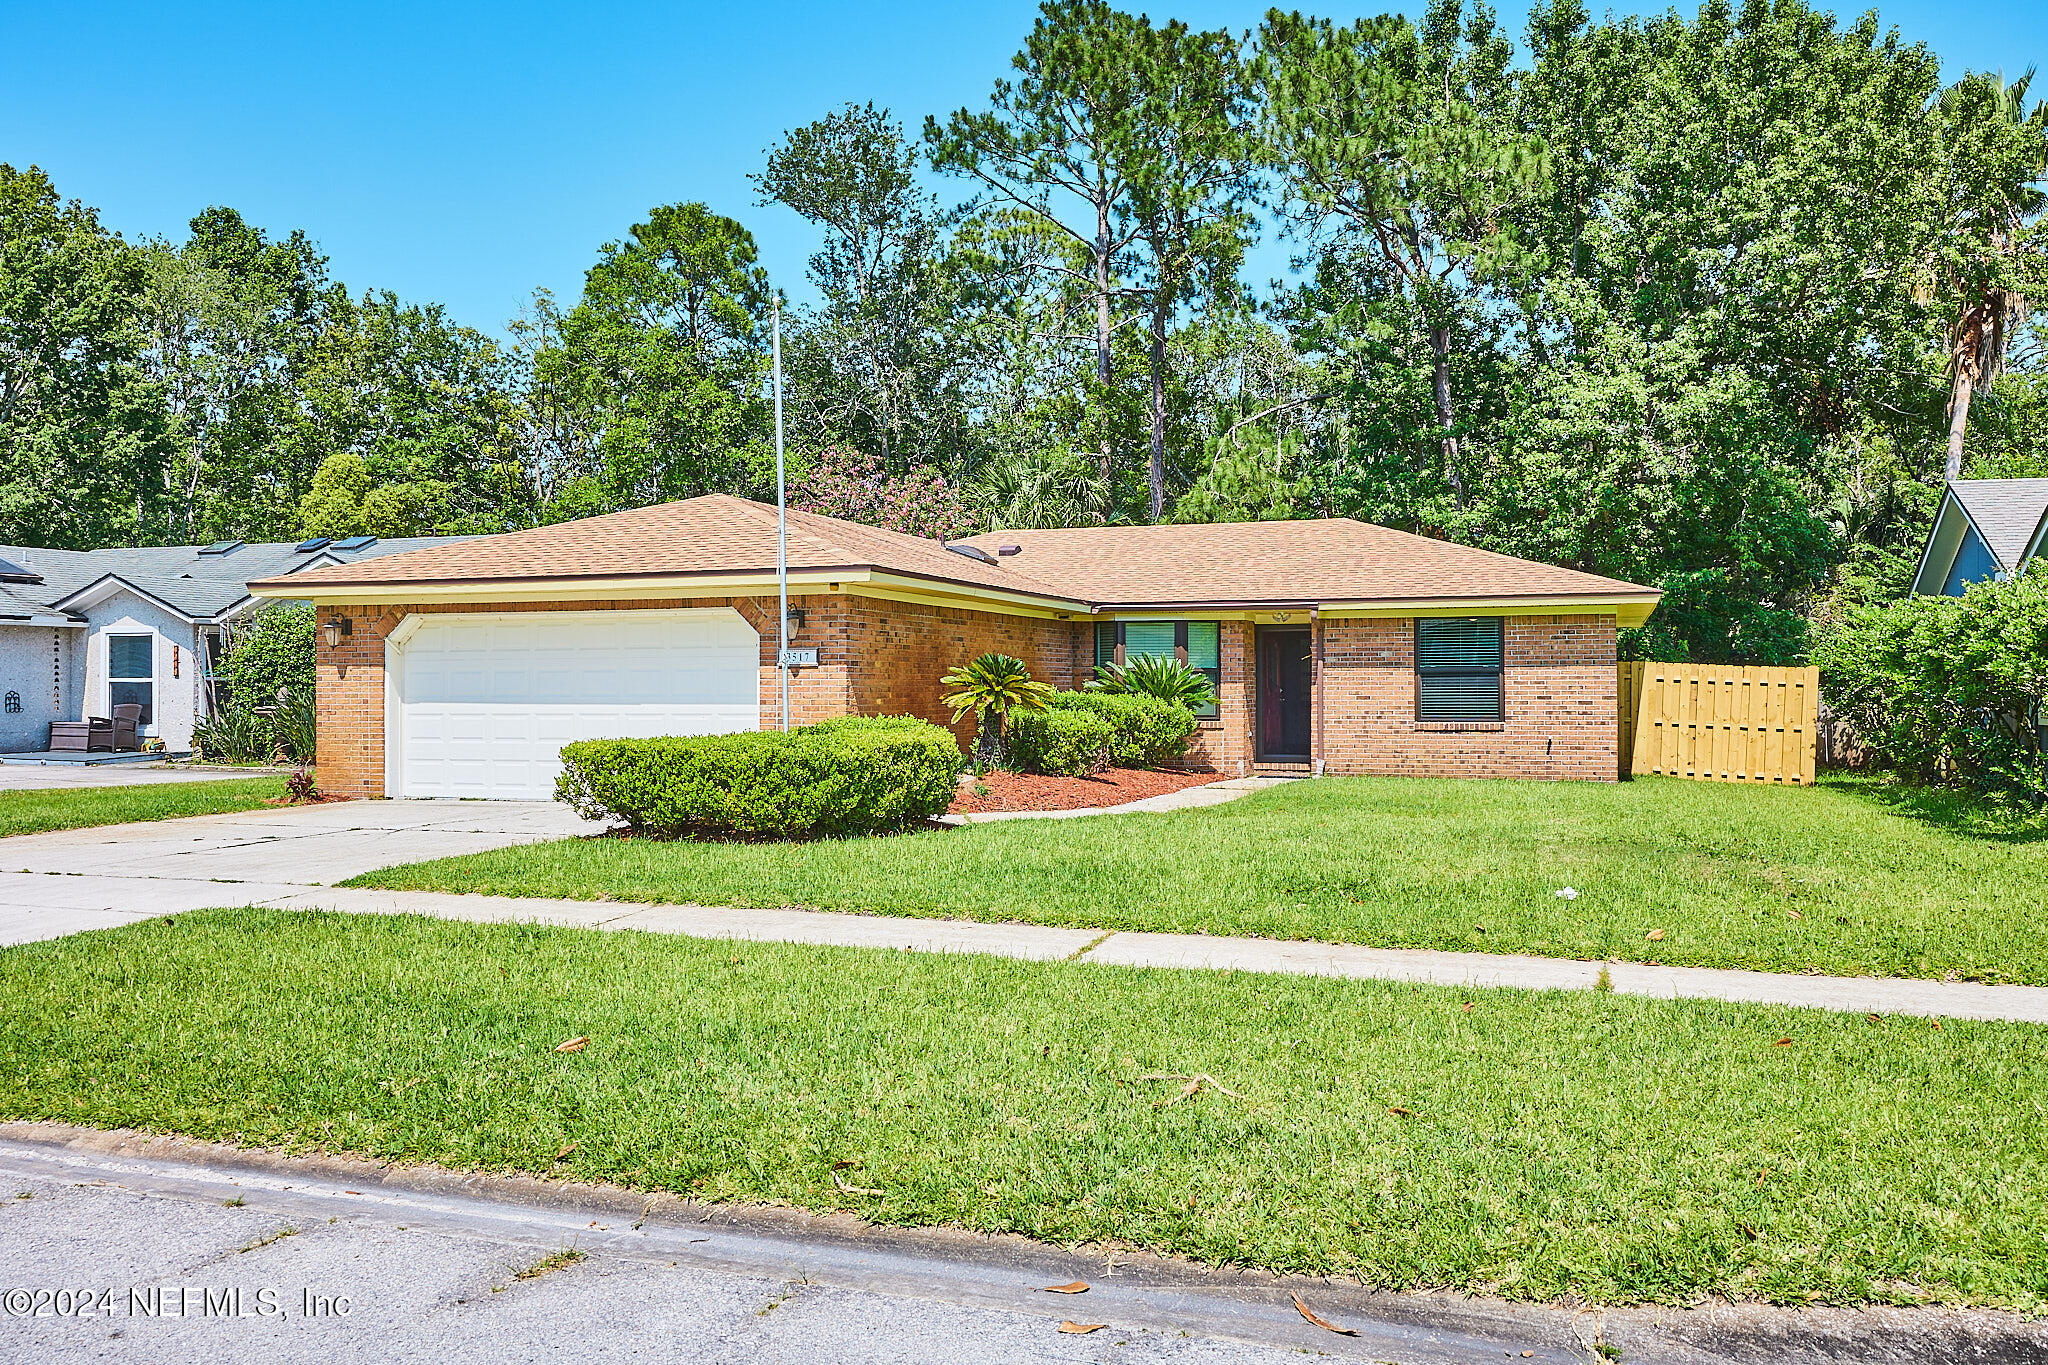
(65, 882)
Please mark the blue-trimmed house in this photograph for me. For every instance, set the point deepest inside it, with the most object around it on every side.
(1985, 529)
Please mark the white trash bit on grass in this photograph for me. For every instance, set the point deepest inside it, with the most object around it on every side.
(1568, 894)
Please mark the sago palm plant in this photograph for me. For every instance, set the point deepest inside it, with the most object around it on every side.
(1157, 675)
(994, 687)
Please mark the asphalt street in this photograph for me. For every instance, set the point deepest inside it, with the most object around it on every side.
(116, 1246)
(112, 1257)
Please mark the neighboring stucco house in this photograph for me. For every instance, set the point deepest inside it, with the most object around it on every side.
(461, 670)
(1984, 529)
(82, 631)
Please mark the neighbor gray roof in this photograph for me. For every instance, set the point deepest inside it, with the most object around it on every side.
(2007, 512)
(19, 607)
(197, 585)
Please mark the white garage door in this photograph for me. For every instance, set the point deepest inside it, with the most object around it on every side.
(485, 702)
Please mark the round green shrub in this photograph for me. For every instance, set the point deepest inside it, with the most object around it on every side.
(1149, 732)
(855, 775)
(1063, 742)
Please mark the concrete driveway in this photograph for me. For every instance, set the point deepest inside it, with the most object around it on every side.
(70, 880)
(16, 777)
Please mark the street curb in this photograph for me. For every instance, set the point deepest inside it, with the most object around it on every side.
(1187, 1293)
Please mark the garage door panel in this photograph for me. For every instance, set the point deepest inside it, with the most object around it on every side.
(486, 703)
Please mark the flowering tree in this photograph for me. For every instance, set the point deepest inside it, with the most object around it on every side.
(855, 487)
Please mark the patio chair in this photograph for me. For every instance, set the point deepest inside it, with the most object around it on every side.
(124, 738)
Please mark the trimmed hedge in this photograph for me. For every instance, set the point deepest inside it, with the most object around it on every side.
(856, 775)
(1061, 742)
(1149, 731)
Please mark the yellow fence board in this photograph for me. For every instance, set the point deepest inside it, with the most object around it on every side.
(1719, 723)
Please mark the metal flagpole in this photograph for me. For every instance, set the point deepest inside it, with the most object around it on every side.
(781, 531)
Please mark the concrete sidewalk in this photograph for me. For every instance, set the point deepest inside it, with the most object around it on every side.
(38, 906)
(73, 880)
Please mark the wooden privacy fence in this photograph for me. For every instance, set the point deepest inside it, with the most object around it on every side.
(1722, 723)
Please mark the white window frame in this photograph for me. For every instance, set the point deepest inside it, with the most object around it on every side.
(149, 722)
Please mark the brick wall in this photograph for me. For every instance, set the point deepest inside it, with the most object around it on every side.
(1559, 686)
(1225, 744)
(900, 650)
(874, 657)
(885, 658)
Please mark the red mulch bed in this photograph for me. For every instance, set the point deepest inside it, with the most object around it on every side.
(1113, 787)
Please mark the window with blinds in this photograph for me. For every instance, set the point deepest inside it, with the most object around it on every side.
(1198, 644)
(1458, 668)
(131, 674)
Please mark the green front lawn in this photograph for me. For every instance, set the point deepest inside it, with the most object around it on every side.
(1838, 879)
(1534, 1144)
(32, 812)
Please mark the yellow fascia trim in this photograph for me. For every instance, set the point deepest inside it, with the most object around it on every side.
(901, 588)
(1628, 611)
(580, 590)
(1301, 612)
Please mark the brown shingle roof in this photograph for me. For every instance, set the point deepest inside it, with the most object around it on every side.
(1335, 560)
(713, 534)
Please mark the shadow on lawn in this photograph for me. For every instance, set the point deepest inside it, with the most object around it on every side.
(1967, 815)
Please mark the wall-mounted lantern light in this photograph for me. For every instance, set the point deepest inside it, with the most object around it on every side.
(796, 619)
(335, 628)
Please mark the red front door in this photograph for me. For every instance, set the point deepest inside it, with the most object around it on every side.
(1286, 685)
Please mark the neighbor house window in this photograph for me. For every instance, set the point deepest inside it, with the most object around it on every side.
(1197, 644)
(131, 674)
(1457, 668)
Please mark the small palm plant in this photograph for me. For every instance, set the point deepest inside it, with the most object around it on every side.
(1157, 675)
(994, 687)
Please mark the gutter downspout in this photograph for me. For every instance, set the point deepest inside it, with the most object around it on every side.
(1315, 693)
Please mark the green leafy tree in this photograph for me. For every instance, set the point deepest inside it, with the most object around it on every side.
(425, 404)
(655, 378)
(84, 433)
(1403, 163)
(1052, 156)
(1241, 486)
(231, 318)
(877, 365)
(345, 500)
(268, 652)
(1989, 255)
(1192, 178)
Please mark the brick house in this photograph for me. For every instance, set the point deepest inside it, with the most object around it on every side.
(1336, 646)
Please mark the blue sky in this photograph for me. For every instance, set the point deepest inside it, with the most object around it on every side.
(467, 153)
